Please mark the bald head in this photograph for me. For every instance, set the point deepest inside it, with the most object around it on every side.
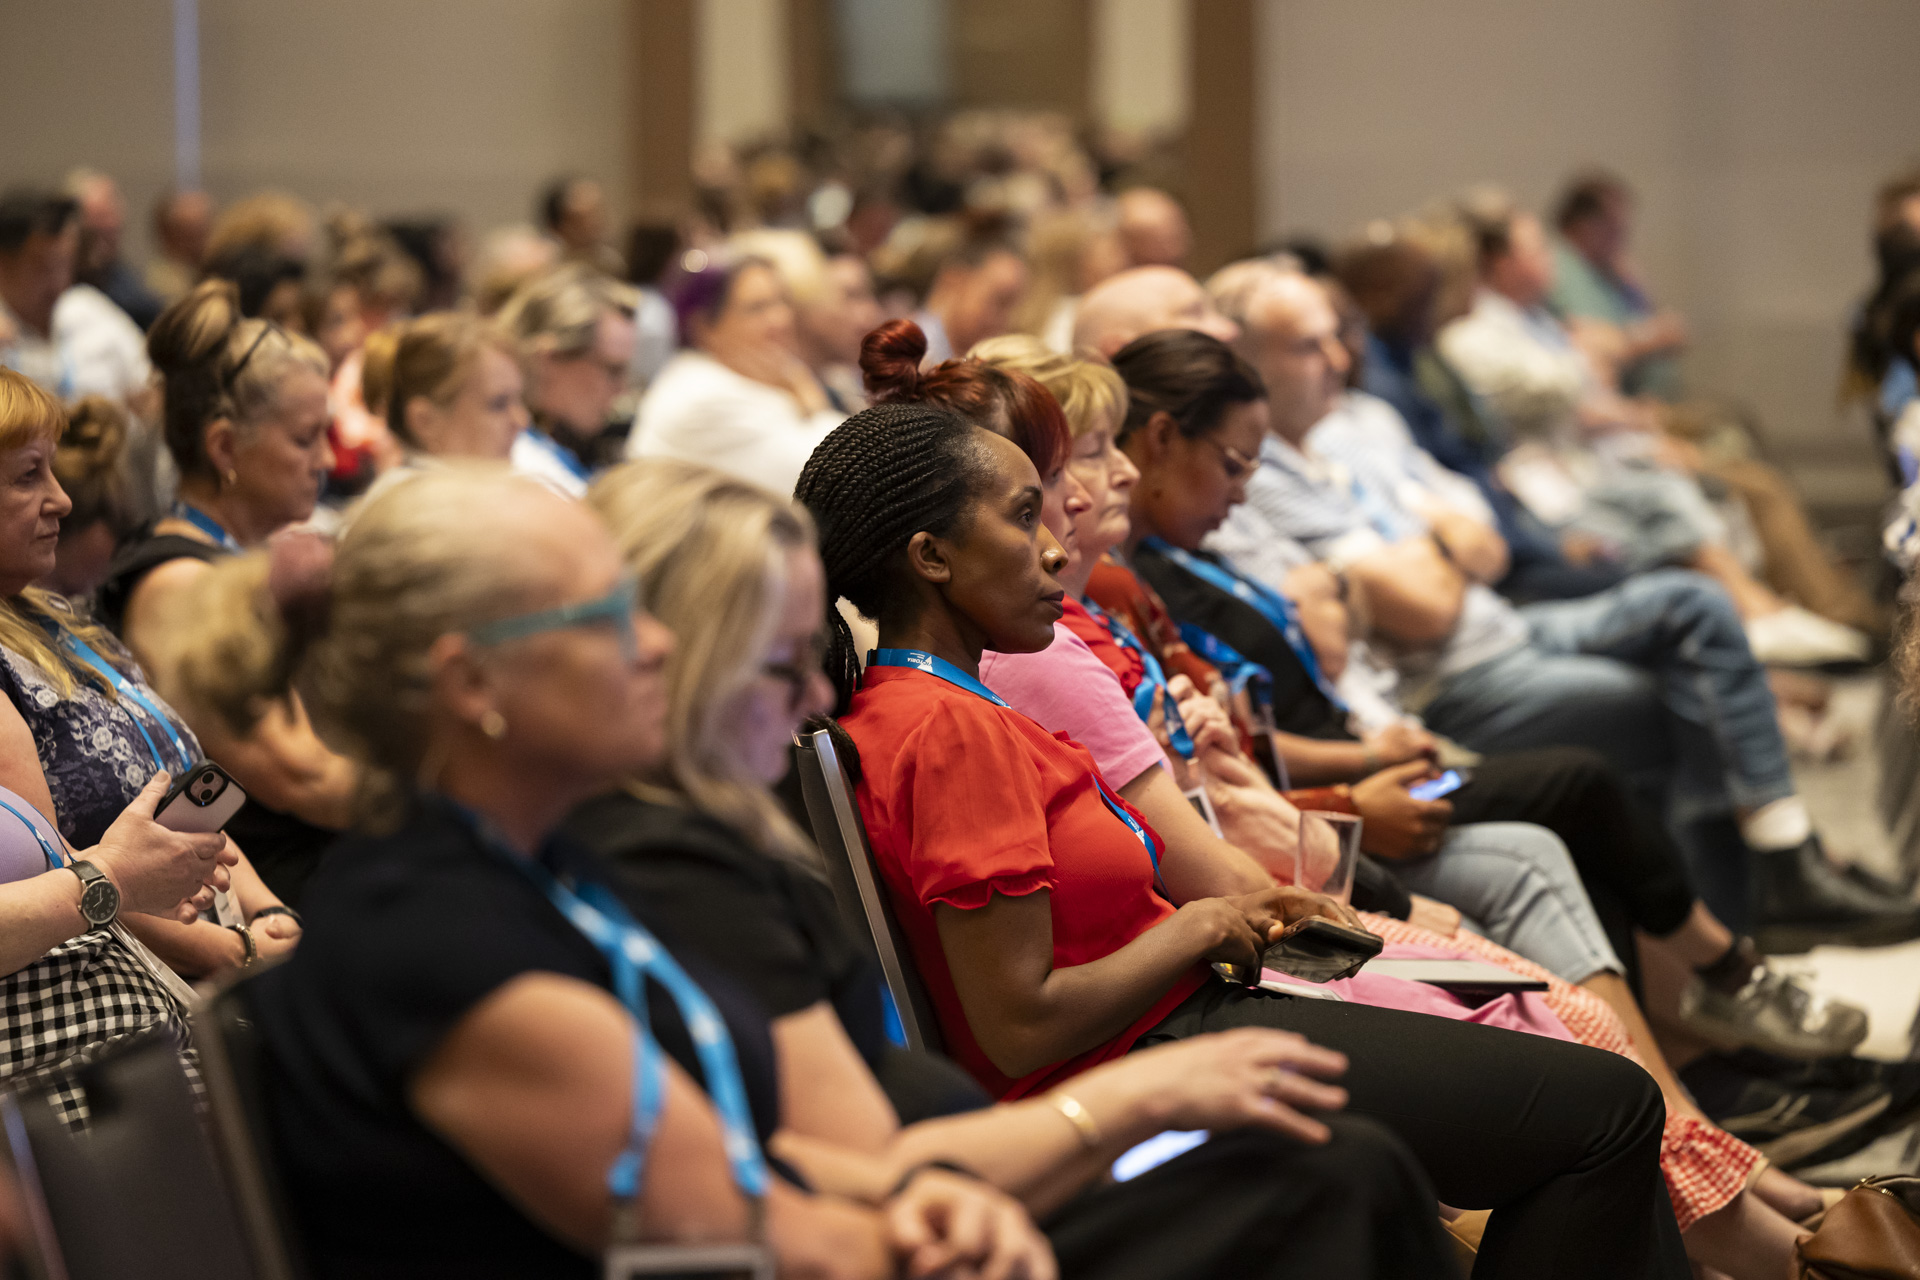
(1144, 300)
(1292, 337)
(1153, 229)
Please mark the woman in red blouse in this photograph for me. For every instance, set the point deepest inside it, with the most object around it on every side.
(1053, 930)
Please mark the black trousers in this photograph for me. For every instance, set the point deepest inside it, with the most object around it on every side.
(1253, 1205)
(1631, 867)
(1561, 1141)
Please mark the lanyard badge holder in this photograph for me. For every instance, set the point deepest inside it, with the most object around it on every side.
(634, 958)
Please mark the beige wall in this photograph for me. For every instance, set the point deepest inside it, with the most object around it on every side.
(402, 106)
(1756, 131)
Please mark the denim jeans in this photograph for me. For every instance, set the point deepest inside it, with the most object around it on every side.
(1515, 884)
(1655, 674)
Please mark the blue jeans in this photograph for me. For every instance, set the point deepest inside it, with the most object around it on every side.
(1655, 674)
(1515, 884)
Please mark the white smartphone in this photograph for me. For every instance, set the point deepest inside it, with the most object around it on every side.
(203, 798)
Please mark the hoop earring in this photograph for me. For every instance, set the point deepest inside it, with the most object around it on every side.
(494, 725)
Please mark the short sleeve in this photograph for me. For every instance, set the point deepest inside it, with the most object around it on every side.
(978, 824)
(1067, 689)
(419, 959)
(742, 925)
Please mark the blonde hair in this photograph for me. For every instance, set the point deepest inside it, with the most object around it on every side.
(216, 363)
(711, 554)
(1090, 393)
(30, 621)
(428, 557)
(559, 313)
(431, 357)
(795, 257)
(90, 464)
(274, 221)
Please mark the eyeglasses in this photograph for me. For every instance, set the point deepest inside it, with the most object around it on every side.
(799, 673)
(1236, 463)
(617, 607)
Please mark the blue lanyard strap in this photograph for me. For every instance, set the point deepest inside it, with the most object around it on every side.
(1153, 678)
(1264, 600)
(54, 860)
(944, 670)
(134, 698)
(559, 452)
(634, 957)
(204, 523)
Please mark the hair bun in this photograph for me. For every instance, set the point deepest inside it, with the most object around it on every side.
(890, 359)
(192, 334)
(96, 436)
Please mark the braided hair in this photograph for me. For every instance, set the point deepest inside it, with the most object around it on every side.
(880, 477)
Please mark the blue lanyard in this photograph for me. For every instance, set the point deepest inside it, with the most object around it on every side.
(128, 694)
(205, 524)
(953, 675)
(1268, 603)
(54, 860)
(559, 452)
(1153, 679)
(634, 956)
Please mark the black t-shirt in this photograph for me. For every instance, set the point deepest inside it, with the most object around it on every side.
(405, 934)
(1298, 704)
(767, 923)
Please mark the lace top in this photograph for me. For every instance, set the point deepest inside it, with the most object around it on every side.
(92, 746)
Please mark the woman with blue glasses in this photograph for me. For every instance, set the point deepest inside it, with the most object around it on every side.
(480, 1064)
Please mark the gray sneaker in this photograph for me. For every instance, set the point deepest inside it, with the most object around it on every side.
(1776, 1012)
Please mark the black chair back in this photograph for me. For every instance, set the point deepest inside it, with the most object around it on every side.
(233, 1067)
(140, 1192)
(857, 886)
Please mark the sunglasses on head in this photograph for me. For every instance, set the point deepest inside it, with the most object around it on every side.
(616, 608)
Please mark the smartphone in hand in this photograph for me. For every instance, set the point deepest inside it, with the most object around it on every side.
(203, 798)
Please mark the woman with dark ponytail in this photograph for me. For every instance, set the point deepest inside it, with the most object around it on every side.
(1054, 930)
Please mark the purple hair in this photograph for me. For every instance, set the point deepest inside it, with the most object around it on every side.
(704, 293)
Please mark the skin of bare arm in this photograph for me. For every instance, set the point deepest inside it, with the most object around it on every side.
(1027, 1149)
(534, 1086)
(48, 905)
(203, 948)
(1410, 591)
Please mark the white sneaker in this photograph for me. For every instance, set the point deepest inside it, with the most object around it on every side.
(1795, 637)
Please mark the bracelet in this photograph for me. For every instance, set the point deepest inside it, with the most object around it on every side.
(1078, 1116)
(277, 910)
(246, 940)
(946, 1166)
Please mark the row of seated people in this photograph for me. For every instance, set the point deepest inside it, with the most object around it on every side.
(245, 446)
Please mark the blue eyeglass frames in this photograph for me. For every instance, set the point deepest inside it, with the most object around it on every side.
(616, 607)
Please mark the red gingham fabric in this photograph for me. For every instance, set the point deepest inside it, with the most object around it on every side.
(1705, 1167)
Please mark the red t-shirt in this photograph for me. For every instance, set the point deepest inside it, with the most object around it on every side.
(962, 799)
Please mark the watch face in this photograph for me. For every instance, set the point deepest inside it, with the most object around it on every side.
(100, 902)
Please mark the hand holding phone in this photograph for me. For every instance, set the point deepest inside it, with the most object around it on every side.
(203, 799)
(1318, 950)
(1444, 785)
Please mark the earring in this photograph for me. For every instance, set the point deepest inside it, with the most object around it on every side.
(494, 725)
(232, 478)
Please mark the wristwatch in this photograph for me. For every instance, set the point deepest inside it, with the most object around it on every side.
(99, 900)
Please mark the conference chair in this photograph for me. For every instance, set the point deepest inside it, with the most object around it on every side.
(140, 1192)
(857, 887)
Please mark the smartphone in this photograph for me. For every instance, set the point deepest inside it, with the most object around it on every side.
(203, 798)
(1446, 784)
(1318, 950)
(1156, 1151)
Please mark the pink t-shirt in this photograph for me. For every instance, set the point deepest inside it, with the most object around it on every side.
(1069, 690)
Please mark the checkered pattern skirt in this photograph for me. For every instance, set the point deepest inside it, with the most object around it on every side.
(69, 1006)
